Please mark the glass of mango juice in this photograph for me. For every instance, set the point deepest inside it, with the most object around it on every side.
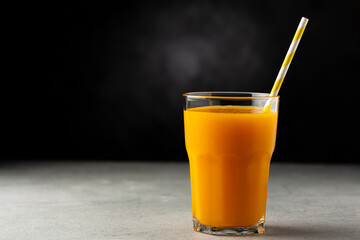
(230, 138)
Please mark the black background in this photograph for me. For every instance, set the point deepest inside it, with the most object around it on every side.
(92, 81)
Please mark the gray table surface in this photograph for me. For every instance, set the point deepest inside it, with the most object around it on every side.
(132, 200)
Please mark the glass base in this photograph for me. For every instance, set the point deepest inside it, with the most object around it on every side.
(231, 231)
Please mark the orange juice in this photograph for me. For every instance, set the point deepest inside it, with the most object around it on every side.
(229, 149)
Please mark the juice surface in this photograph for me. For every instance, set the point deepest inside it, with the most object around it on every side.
(229, 150)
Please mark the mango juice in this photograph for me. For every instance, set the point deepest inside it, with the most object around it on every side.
(229, 150)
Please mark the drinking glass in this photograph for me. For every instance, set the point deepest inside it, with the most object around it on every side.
(230, 138)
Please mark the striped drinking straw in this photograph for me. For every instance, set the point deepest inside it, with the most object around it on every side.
(285, 66)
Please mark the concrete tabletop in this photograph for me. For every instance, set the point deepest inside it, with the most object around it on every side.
(132, 200)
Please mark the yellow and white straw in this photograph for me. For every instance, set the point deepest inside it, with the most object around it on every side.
(287, 61)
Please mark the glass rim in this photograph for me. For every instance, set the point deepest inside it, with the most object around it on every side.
(232, 95)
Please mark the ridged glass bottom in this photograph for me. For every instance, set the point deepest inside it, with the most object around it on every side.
(237, 231)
